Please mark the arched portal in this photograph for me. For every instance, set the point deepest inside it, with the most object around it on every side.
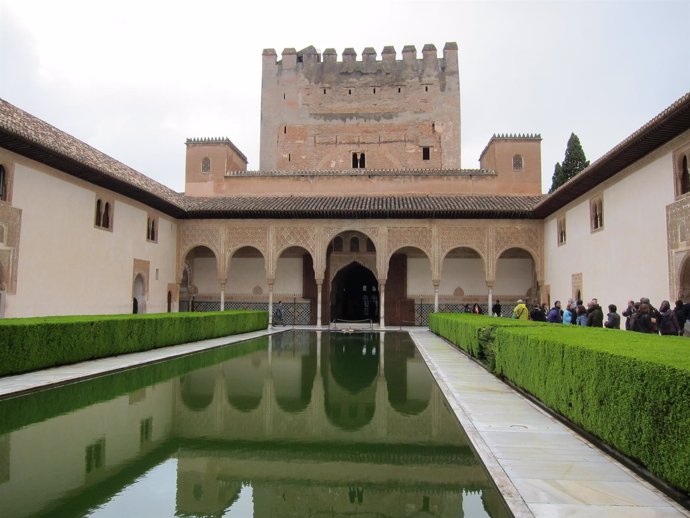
(463, 280)
(354, 294)
(684, 288)
(139, 302)
(347, 247)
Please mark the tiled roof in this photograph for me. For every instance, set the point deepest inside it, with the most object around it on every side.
(670, 123)
(419, 206)
(27, 135)
(366, 172)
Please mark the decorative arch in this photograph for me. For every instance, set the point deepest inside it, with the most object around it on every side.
(684, 278)
(413, 237)
(468, 247)
(185, 254)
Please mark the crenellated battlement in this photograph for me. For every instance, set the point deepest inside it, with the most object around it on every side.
(310, 57)
(516, 136)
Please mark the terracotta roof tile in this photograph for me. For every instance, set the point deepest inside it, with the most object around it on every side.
(432, 206)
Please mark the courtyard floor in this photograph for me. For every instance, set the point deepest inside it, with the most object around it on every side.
(541, 467)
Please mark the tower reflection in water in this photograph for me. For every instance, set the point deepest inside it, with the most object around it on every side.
(300, 423)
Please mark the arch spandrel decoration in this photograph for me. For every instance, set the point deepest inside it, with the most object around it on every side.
(475, 238)
(198, 234)
(418, 237)
(238, 236)
(527, 237)
(302, 236)
(371, 232)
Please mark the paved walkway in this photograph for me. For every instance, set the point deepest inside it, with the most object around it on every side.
(541, 467)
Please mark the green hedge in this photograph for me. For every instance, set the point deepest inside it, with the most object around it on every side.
(28, 344)
(631, 390)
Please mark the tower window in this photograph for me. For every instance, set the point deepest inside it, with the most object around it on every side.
(151, 229)
(324, 91)
(426, 153)
(3, 184)
(426, 88)
(206, 165)
(399, 89)
(374, 90)
(596, 213)
(104, 216)
(560, 228)
(684, 176)
(349, 91)
(284, 130)
(358, 161)
(517, 163)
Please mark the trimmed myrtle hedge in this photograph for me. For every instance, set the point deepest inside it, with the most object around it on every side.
(631, 390)
(28, 344)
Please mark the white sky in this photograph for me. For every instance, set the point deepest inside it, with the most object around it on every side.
(136, 78)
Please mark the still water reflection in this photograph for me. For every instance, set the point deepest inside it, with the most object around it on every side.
(296, 424)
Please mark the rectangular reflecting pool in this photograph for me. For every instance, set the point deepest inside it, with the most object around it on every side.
(296, 424)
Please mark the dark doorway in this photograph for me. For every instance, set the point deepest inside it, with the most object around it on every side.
(354, 294)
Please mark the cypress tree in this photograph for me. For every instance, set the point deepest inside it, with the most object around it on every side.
(574, 162)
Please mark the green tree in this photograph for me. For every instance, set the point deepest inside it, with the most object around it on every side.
(574, 162)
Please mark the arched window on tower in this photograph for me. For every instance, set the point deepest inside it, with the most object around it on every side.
(684, 176)
(355, 161)
(106, 216)
(3, 183)
(362, 163)
(99, 213)
(517, 163)
(206, 165)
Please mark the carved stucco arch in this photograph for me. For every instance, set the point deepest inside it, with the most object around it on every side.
(232, 251)
(527, 237)
(185, 251)
(413, 236)
(371, 232)
(446, 252)
(530, 251)
(283, 237)
(682, 289)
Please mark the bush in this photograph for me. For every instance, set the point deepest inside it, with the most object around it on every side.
(630, 390)
(28, 344)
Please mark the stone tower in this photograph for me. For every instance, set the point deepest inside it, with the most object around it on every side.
(318, 113)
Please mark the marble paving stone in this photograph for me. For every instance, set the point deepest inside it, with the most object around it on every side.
(595, 511)
(559, 470)
(592, 492)
(541, 467)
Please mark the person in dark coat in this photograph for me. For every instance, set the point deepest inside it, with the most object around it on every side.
(595, 316)
(613, 319)
(555, 315)
(537, 314)
(668, 323)
(681, 315)
(629, 313)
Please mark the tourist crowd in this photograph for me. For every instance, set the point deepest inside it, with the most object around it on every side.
(640, 316)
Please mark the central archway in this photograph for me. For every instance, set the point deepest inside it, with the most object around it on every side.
(354, 294)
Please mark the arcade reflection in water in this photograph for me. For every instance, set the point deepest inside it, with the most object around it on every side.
(312, 423)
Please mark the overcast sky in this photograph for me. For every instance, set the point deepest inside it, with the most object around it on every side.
(136, 78)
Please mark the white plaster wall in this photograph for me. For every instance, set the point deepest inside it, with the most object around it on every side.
(66, 265)
(288, 277)
(419, 277)
(628, 257)
(205, 276)
(513, 277)
(244, 274)
(467, 274)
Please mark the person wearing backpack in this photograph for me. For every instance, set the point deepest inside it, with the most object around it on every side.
(520, 310)
(668, 322)
(554, 315)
